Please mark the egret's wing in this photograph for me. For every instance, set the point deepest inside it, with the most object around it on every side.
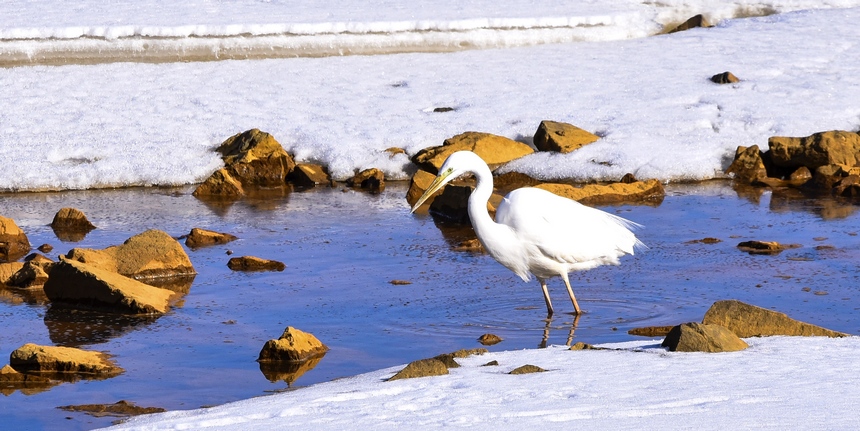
(565, 230)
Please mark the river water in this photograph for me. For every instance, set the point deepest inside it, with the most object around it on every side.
(343, 248)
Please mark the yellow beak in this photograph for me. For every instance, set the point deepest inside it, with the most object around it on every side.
(437, 184)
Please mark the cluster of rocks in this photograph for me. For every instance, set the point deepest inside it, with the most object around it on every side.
(823, 162)
(254, 159)
(725, 323)
(141, 277)
(451, 201)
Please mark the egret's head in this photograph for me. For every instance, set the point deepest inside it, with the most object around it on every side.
(455, 165)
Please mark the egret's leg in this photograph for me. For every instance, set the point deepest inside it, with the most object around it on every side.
(576, 309)
(546, 297)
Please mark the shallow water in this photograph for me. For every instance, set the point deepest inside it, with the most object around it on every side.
(342, 249)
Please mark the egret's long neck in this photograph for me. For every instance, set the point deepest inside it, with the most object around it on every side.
(484, 226)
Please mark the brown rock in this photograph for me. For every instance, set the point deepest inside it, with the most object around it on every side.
(651, 331)
(255, 158)
(824, 148)
(7, 270)
(309, 175)
(527, 369)
(120, 408)
(725, 78)
(800, 175)
(372, 179)
(81, 285)
(748, 165)
(293, 346)
(33, 358)
(202, 237)
(750, 321)
(693, 22)
(221, 184)
(251, 263)
(153, 254)
(826, 177)
(13, 242)
(71, 219)
(848, 183)
(448, 358)
(12, 379)
(489, 339)
(494, 149)
(698, 337)
(46, 248)
(765, 247)
(473, 245)
(596, 194)
(33, 274)
(421, 368)
(561, 137)
(453, 204)
(393, 151)
(584, 346)
(514, 180)
(399, 282)
(418, 185)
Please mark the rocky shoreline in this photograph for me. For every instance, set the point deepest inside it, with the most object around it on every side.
(151, 270)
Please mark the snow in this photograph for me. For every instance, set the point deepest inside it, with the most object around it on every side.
(777, 383)
(597, 64)
(649, 98)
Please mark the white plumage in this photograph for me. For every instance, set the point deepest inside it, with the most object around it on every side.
(537, 232)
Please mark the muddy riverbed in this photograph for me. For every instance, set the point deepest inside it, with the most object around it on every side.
(342, 250)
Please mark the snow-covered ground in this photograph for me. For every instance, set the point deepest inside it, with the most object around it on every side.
(778, 383)
(122, 124)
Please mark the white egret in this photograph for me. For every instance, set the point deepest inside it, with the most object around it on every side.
(537, 232)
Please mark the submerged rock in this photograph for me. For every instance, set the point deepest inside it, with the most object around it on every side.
(698, 337)
(10, 378)
(202, 238)
(561, 137)
(33, 358)
(750, 321)
(494, 149)
(293, 346)
(120, 408)
(150, 255)
(251, 263)
(13, 241)
(80, 285)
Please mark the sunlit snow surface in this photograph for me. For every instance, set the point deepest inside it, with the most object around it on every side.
(120, 124)
(777, 383)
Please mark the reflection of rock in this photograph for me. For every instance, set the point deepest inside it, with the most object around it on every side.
(202, 237)
(697, 337)
(494, 149)
(13, 242)
(252, 263)
(69, 327)
(151, 254)
(71, 225)
(294, 345)
(750, 321)
(81, 285)
(33, 358)
(288, 372)
(120, 408)
(15, 296)
(561, 137)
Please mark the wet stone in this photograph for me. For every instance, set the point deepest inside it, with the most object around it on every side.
(489, 339)
(252, 263)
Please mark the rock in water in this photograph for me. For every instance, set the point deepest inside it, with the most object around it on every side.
(750, 321)
(202, 237)
(150, 255)
(80, 285)
(697, 337)
(49, 359)
(293, 346)
(13, 242)
(251, 263)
